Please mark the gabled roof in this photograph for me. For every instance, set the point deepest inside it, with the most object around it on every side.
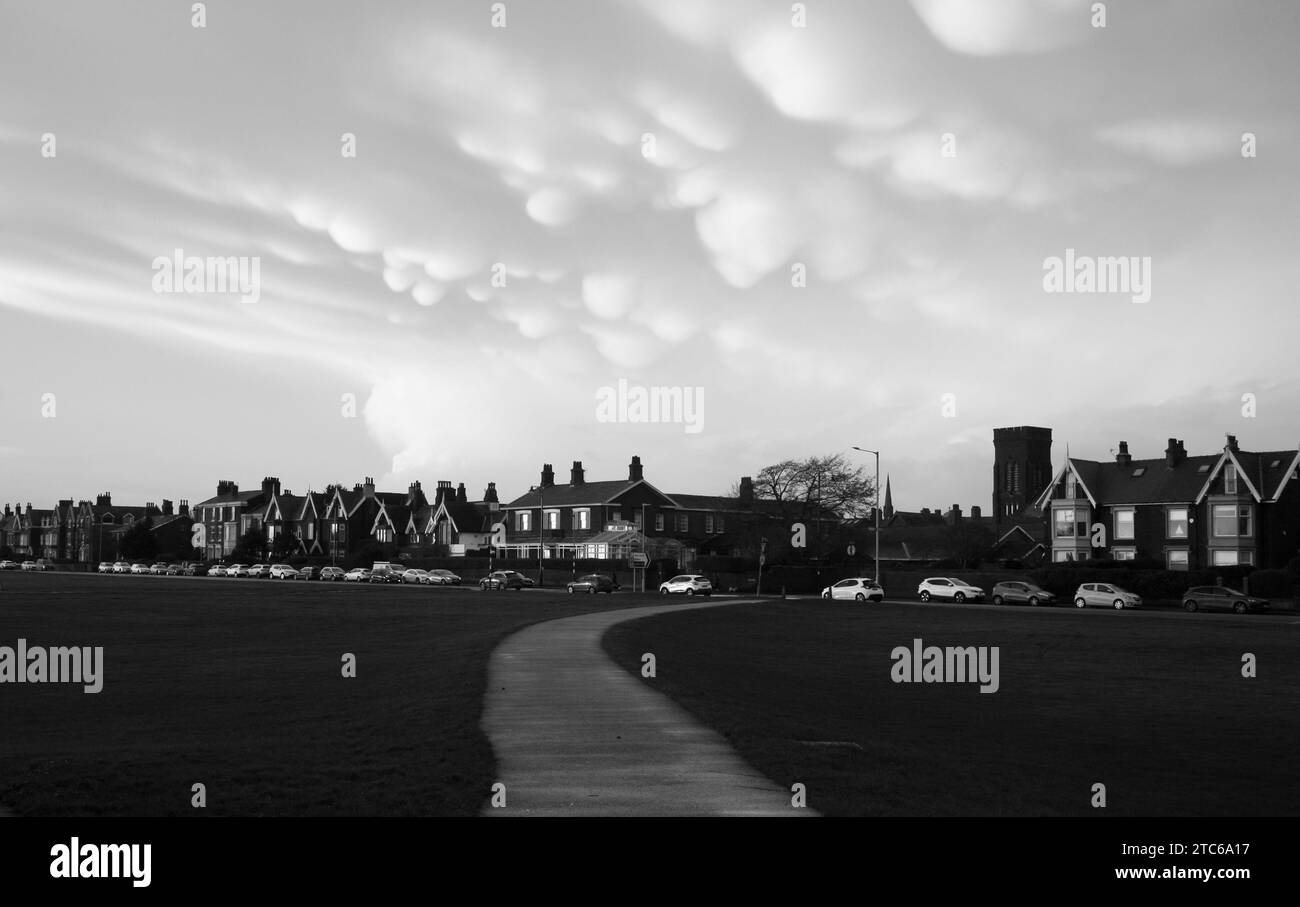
(588, 493)
(243, 497)
(1136, 482)
(1256, 470)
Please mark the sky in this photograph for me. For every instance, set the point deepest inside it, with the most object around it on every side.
(829, 225)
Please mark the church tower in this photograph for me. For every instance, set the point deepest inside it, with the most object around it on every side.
(1022, 468)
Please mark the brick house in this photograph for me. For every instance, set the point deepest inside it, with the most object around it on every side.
(1232, 507)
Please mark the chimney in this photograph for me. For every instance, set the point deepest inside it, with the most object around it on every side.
(746, 490)
(357, 488)
(444, 491)
(925, 511)
(576, 473)
(8, 511)
(975, 512)
(167, 508)
(634, 470)
(490, 495)
(460, 493)
(106, 499)
(369, 486)
(185, 507)
(1123, 458)
(548, 475)
(413, 490)
(954, 515)
(1175, 454)
(1232, 443)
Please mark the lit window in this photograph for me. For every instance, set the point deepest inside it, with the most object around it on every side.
(1176, 519)
(582, 519)
(523, 521)
(1176, 558)
(1124, 554)
(1124, 523)
(552, 519)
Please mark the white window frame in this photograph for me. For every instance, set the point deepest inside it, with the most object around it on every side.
(552, 519)
(659, 522)
(1124, 554)
(1132, 523)
(1057, 513)
(523, 520)
(1170, 563)
(1169, 523)
(1230, 479)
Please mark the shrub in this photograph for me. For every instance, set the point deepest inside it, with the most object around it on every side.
(1272, 583)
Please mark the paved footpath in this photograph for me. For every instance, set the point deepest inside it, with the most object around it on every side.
(575, 734)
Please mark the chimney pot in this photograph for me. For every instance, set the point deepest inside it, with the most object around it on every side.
(576, 474)
(634, 473)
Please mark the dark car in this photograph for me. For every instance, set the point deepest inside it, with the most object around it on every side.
(1222, 598)
(309, 572)
(593, 583)
(331, 574)
(503, 579)
(1011, 593)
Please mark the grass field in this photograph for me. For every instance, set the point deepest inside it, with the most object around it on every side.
(1153, 705)
(237, 684)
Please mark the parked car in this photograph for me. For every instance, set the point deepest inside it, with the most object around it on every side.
(687, 584)
(8, 565)
(502, 579)
(415, 576)
(857, 588)
(173, 570)
(357, 575)
(332, 574)
(949, 587)
(1024, 593)
(194, 570)
(104, 567)
(140, 569)
(159, 569)
(1105, 595)
(440, 577)
(121, 567)
(308, 573)
(259, 571)
(217, 570)
(593, 583)
(31, 565)
(1222, 598)
(237, 570)
(282, 571)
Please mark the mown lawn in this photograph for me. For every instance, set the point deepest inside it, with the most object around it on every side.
(1153, 705)
(237, 684)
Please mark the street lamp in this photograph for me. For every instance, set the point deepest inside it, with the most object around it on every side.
(541, 532)
(876, 508)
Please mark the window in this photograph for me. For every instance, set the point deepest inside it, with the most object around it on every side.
(721, 523)
(1139, 472)
(1275, 464)
(1013, 477)
(311, 531)
(414, 538)
(1071, 489)
(1124, 523)
(617, 516)
(659, 522)
(581, 518)
(1203, 469)
(636, 518)
(1232, 558)
(523, 521)
(552, 519)
(708, 522)
(1231, 521)
(1176, 521)
(1064, 521)
(1124, 554)
(1230, 479)
(1176, 558)
(683, 522)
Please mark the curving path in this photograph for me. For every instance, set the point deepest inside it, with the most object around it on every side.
(575, 734)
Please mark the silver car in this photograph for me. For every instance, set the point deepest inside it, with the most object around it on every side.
(1105, 595)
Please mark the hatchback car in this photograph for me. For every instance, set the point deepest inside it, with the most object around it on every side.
(593, 583)
(121, 567)
(415, 576)
(357, 575)
(1021, 593)
(159, 569)
(502, 579)
(217, 570)
(1222, 598)
(442, 577)
(308, 573)
(950, 588)
(8, 565)
(140, 569)
(31, 565)
(687, 584)
(282, 571)
(237, 570)
(855, 589)
(1105, 595)
(259, 571)
(332, 574)
(105, 567)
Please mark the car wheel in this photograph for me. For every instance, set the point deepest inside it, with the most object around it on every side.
(690, 592)
(1239, 608)
(925, 596)
(1189, 606)
(591, 590)
(860, 597)
(826, 595)
(663, 591)
(1119, 604)
(997, 600)
(570, 590)
(1080, 603)
(959, 597)
(1033, 601)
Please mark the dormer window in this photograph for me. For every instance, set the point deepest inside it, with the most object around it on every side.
(1230, 479)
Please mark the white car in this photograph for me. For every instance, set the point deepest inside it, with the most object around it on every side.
(415, 575)
(141, 569)
(1105, 595)
(856, 589)
(158, 570)
(217, 570)
(441, 577)
(950, 588)
(283, 571)
(121, 567)
(687, 584)
(105, 567)
(237, 570)
(357, 575)
(31, 565)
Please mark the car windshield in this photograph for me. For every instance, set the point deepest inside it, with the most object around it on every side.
(959, 582)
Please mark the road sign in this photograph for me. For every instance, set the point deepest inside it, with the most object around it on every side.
(638, 559)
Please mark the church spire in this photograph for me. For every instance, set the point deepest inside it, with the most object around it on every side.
(889, 500)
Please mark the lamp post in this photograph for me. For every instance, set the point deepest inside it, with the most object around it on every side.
(541, 532)
(876, 508)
